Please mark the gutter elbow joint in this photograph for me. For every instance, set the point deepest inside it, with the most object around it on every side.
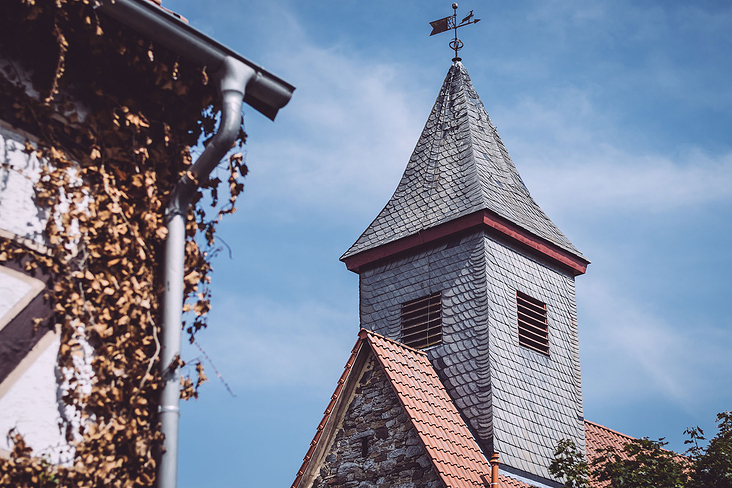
(234, 76)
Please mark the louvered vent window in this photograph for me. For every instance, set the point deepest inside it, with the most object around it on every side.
(532, 325)
(422, 321)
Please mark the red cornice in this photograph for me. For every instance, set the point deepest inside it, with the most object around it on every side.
(484, 218)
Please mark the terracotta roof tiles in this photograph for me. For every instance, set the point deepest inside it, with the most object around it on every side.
(599, 437)
(506, 482)
(454, 452)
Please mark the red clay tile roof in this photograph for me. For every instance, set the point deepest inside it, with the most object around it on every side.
(599, 437)
(447, 440)
(506, 482)
(456, 456)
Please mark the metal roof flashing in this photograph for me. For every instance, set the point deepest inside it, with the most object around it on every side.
(265, 92)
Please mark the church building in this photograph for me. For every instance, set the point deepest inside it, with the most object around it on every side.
(466, 372)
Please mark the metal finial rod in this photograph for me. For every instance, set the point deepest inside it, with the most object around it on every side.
(456, 43)
(450, 22)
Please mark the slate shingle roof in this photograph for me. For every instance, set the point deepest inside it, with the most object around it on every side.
(459, 166)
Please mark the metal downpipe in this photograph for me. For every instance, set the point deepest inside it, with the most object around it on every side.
(233, 78)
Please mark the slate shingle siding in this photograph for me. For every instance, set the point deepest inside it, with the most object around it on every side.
(395, 456)
(517, 401)
(458, 270)
(537, 400)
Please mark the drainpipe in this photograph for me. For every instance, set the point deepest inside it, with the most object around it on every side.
(494, 469)
(233, 80)
(239, 80)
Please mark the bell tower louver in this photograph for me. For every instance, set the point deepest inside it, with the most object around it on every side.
(463, 263)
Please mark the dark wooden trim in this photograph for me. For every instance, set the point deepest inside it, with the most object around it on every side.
(552, 251)
(341, 400)
(19, 336)
(483, 218)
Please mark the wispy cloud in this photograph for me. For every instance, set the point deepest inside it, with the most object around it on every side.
(632, 351)
(356, 132)
(575, 159)
(268, 342)
(347, 133)
(610, 179)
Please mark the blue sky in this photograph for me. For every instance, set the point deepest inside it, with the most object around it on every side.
(618, 115)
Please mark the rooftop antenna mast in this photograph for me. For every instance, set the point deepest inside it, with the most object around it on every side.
(450, 22)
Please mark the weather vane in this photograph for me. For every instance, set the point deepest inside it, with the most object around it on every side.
(450, 22)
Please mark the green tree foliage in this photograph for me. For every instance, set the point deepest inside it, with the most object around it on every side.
(712, 467)
(570, 465)
(644, 463)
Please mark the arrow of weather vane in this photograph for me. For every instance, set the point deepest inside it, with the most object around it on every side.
(450, 22)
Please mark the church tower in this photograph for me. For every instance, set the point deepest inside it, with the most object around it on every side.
(463, 264)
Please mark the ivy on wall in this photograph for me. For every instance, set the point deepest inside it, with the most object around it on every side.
(115, 117)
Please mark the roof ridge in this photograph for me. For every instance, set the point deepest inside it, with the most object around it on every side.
(471, 145)
(369, 332)
(608, 429)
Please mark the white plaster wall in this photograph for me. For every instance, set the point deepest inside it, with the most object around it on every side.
(13, 290)
(31, 407)
(19, 171)
(32, 403)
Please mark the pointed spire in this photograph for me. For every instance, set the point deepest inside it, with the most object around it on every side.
(459, 167)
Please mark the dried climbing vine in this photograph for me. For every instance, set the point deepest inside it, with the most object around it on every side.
(115, 117)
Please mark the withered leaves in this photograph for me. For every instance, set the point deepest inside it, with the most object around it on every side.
(107, 178)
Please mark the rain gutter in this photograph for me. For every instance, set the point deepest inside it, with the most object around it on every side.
(239, 80)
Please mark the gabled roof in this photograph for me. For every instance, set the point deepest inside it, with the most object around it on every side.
(447, 440)
(459, 167)
(454, 453)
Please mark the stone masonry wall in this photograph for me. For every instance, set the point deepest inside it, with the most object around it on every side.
(457, 269)
(391, 455)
